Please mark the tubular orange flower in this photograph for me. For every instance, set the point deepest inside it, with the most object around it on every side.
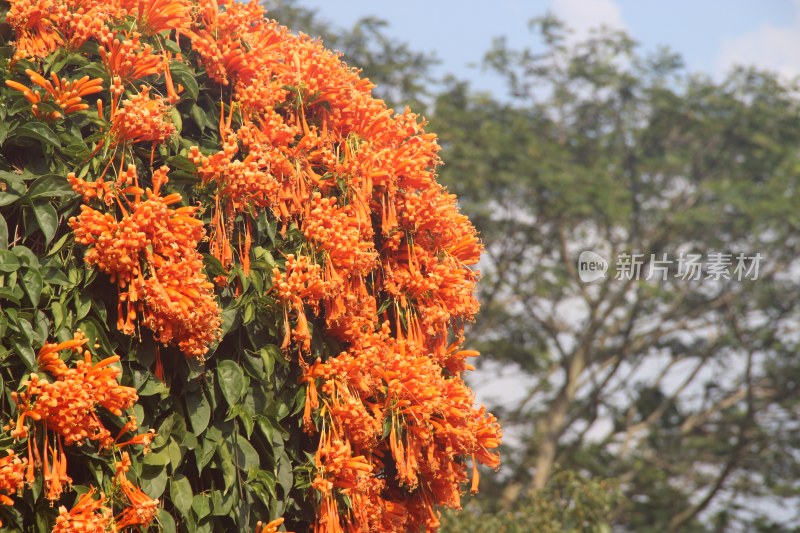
(155, 16)
(127, 57)
(67, 405)
(142, 509)
(35, 28)
(67, 408)
(152, 256)
(271, 527)
(12, 477)
(87, 515)
(66, 94)
(141, 119)
(42, 26)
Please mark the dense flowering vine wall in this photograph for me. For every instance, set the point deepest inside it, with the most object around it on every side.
(242, 201)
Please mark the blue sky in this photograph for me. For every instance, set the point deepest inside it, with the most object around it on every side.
(711, 35)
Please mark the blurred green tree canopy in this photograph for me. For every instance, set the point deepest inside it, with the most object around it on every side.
(683, 390)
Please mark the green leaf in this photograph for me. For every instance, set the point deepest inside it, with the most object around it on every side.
(59, 244)
(179, 162)
(47, 218)
(199, 116)
(175, 454)
(154, 480)
(180, 492)
(8, 261)
(153, 387)
(166, 521)
(83, 304)
(8, 198)
(12, 295)
(77, 151)
(49, 186)
(26, 256)
(33, 284)
(200, 505)
(246, 455)
(40, 132)
(231, 380)
(59, 311)
(181, 74)
(157, 458)
(226, 465)
(175, 118)
(285, 477)
(199, 411)
(25, 351)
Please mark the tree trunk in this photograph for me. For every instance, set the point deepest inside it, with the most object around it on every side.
(552, 425)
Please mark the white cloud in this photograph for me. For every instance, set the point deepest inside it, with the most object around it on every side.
(584, 15)
(770, 47)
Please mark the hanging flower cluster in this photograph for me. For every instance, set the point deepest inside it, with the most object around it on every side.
(151, 254)
(12, 477)
(383, 273)
(90, 515)
(87, 515)
(63, 412)
(394, 418)
(44, 26)
(68, 95)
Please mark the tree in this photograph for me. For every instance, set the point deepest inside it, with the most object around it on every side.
(681, 389)
(231, 287)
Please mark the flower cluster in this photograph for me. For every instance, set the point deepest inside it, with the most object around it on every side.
(395, 420)
(127, 58)
(151, 254)
(68, 95)
(383, 270)
(141, 119)
(44, 26)
(12, 477)
(141, 509)
(67, 408)
(88, 515)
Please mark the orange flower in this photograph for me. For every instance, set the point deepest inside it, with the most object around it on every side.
(68, 408)
(141, 119)
(87, 515)
(271, 527)
(127, 58)
(155, 16)
(224, 40)
(35, 27)
(42, 26)
(66, 94)
(12, 474)
(141, 510)
(67, 405)
(151, 254)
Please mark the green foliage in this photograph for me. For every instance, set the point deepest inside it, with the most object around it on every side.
(569, 504)
(669, 386)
